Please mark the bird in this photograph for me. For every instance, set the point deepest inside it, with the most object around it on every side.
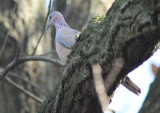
(66, 38)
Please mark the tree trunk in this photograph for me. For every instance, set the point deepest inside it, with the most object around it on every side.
(130, 30)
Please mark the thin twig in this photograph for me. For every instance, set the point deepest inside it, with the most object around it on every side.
(34, 97)
(14, 63)
(44, 25)
(35, 86)
(7, 36)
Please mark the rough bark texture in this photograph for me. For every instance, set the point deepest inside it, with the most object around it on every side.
(152, 102)
(130, 30)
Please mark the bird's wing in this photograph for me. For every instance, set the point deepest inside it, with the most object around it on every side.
(67, 36)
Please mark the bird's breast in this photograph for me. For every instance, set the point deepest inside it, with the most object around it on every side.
(62, 51)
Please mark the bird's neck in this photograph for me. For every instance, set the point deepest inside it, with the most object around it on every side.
(61, 24)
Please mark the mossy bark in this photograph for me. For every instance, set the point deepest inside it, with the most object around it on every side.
(130, 30)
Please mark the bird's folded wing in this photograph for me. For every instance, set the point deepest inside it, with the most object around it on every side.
(67, 37)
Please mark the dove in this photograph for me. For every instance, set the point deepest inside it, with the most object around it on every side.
(66, 38)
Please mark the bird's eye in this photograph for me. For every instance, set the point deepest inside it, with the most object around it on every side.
(50, 17)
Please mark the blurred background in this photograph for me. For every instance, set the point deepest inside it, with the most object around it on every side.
(23, 21)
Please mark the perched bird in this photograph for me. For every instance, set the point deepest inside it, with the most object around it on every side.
(66, 38)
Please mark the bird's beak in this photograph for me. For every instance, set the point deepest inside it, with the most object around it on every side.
(48, 26)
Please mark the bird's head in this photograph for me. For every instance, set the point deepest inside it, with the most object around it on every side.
(54, 17)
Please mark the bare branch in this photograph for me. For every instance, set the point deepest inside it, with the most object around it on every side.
(28, 82)
(14, 63)
(100, 87)
(44, 25)
(7, 36)
(34, 97)
(113, 74)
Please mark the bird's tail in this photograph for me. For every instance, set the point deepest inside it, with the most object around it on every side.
(130, 85)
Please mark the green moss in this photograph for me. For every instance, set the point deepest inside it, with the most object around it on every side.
(90, 30)
(97, 19)
(93, 25)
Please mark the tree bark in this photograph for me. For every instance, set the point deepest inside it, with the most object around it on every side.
(130, 30)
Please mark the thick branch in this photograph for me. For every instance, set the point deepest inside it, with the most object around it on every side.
(129, 31)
